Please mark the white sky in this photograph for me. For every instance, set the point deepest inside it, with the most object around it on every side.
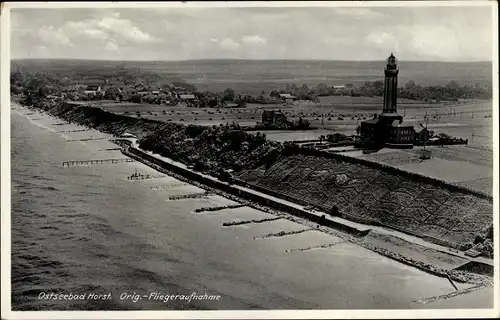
(424, 33)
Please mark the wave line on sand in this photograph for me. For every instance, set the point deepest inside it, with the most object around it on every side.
(240, 222)
(323, 246)
(449, 295)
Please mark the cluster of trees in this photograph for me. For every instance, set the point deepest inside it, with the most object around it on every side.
(450, 92)
(334, 137)
(113, 94)
(324, 90)
(261, 99)
(189, 87)
(215, 100)
(302, 92)
(210, 149)
(160, 98)
(35, 86)
(371, 89)
(483, 242)
(300, 124)
(229, 95)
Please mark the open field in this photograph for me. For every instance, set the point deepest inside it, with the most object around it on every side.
(329, 106)
(470, 166)
(332, 114)
(467, 166)
(462, 120)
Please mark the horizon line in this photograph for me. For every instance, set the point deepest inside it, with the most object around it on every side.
(243, 59)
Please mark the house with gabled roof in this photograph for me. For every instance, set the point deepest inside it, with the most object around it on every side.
(93, 89)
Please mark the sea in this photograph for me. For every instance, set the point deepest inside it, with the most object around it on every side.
(88, 230)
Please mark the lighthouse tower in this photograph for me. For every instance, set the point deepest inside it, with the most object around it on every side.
(391, 85)
(388, 128)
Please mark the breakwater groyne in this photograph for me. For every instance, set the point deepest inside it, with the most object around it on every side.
(72, 163)
(246, 193)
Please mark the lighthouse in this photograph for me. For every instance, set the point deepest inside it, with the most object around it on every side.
(388, 129)
(391, 85)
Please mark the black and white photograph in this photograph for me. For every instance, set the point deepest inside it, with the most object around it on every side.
(220, 160)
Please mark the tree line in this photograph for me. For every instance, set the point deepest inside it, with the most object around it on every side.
(452, 91)
(41, 84)
(211, 149)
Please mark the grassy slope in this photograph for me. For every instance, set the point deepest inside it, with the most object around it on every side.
(373, 196)
(215, 148)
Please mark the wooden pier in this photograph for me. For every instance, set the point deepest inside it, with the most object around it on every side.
(73, 163)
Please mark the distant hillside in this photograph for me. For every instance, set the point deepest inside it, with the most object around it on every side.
(251, 76)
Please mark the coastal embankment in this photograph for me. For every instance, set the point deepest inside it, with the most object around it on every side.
(416, 205)
(434, 210)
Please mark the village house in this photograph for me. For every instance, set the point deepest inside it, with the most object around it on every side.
(127, 135)
(272, 117)
(143, 92)
(93, 90)
(56, 97)
(109, 90)
(231, 104)
(189, 100)
(187, 97)
(180, 90)
(74, 88)
(140, 87)
(127, 91)
(287, 98)
(341, 90)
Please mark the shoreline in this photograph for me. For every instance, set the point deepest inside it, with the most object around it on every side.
(428, 265)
